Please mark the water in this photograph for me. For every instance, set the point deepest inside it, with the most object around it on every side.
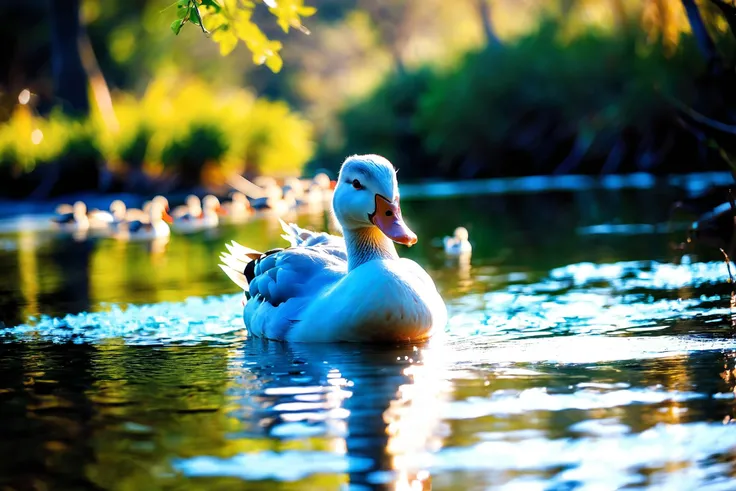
(582, 352)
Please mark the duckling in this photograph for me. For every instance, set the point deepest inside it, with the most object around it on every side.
(265, 182)
(322, 182)
(208, 217)
(64, 209)
(144, 214)
(238, 209)
(75, 220)
(101, 219)
(118, 210)
(296, 185)
(211, 211)
(192, 209)
(154, 227)
(277, 201)
(458, 244)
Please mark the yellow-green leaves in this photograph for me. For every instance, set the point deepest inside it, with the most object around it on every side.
(230, 21)
(226, 38)
(289, 13)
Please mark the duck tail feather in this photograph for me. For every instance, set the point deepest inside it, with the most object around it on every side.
(236, 277)
(294, 234)
(235, 261)
(240, 250)
(290, 239)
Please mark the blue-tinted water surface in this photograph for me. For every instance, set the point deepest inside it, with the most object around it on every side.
(572, 360)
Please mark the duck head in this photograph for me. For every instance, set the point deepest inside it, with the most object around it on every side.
(118, 209)
(461, 234)
(158, 212)
(367, 195)
(239, 197)
(211, 205)
(79, 210)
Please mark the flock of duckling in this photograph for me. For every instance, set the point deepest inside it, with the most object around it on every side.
(155, 219)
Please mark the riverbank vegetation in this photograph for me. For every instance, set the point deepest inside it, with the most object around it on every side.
(478, 88)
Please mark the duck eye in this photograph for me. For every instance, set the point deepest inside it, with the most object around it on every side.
(357, 184)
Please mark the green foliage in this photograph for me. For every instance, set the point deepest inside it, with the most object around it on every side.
(522, 108)
(383, 123)
(253, 134)
(230, 21)
(277, 141)
(29, 144)
(202, 143)
(133, 150)
(180, 127)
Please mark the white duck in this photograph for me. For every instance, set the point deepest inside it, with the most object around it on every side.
(458, 244)
(275, 201)
(108, 219)
(331, 289)
(74, 218)
(154, 227)
(209, 217)
(318, 193)
(190, 210)
(238, 209)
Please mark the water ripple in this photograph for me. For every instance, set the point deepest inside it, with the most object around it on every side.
(196, 320)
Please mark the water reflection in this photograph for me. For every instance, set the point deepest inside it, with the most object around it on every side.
(328, 415)
(372, 411)
(561, 348)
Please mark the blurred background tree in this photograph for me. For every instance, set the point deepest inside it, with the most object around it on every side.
(464, 89)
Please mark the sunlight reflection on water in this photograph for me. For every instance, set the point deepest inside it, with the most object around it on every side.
(596, 374)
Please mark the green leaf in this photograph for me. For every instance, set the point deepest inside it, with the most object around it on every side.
(182, 3)
(213, 4)
(181, 11)
(193, 17)
(176, 26)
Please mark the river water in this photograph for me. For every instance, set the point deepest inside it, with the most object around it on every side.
(583, 351)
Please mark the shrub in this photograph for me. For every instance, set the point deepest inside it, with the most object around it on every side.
(29, 144)
(256, 135)
(383, 123)
(546, 102)
(543, 99)
(179, 126)
(203, 143)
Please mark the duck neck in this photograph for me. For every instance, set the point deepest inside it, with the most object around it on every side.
(367, 244)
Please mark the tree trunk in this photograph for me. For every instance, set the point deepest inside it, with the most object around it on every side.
(70, 79)
(619, 13)
(702, 36)
(100, 90)
(484, 11)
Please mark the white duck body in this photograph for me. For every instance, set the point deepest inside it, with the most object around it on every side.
(204, 217)
(238, 209)
(353, 289)
(72, 219)
(154, 227)
(458, 244)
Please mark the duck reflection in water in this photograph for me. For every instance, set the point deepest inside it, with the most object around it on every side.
(383, 420)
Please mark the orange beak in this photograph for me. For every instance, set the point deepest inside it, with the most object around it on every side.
(221, 211)
(167, 218)
(387, 218)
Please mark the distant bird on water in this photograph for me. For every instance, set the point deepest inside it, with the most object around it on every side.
(458, 244)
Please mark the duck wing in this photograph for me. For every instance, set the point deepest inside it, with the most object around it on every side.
(63, 218)
(279, 283)
(302, 237)
(136, 226)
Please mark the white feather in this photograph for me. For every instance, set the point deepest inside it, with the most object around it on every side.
(238, 278)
